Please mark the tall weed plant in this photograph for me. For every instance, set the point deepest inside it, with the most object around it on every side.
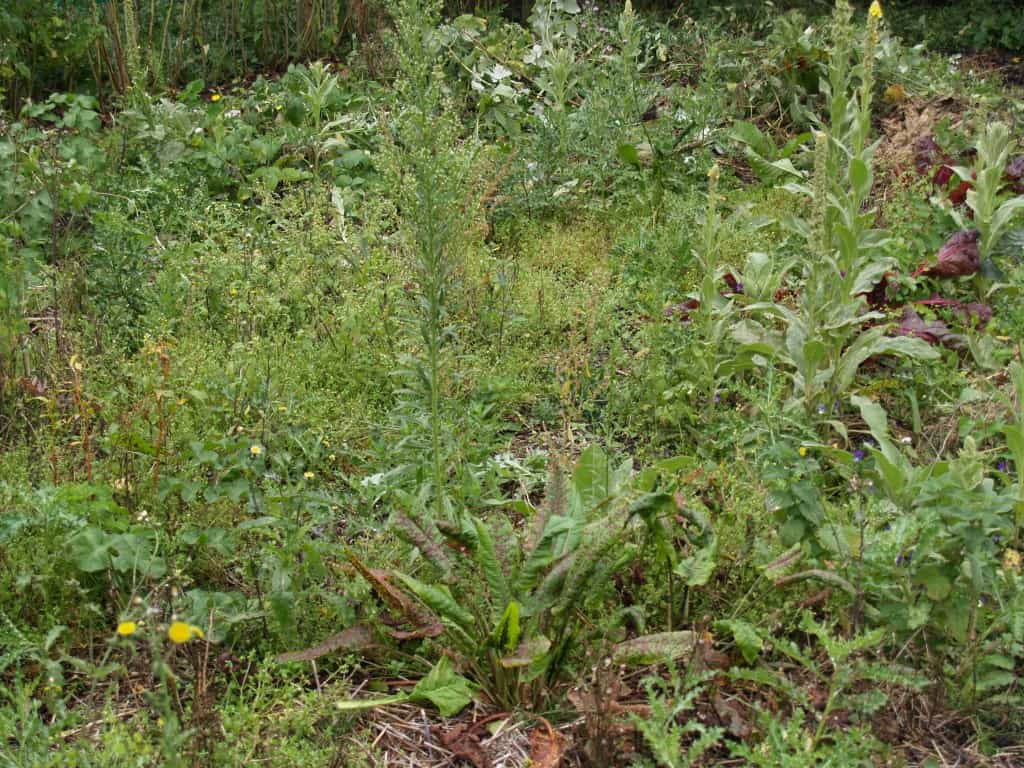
(428, 165)
(823, 340)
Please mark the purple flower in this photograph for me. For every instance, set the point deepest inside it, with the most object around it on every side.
(859, 455)
(1003, 466)
(718, 397)
(821, 409)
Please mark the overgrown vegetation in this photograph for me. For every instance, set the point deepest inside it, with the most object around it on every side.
(605, 387)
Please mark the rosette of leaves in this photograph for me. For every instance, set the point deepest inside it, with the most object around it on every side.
(509, 601)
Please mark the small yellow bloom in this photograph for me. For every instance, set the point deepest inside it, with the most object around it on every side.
(308, 475)
(215, 97)
(894, 94)
(803, 451)
(875, 9)
(179, 632)
(1012, 560)
(256, 449)
(126, 628)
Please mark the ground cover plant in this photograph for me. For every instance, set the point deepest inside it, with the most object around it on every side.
(569, 384)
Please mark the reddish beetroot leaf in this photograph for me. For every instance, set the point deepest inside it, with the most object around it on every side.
(683, 309)
(932, 331)
(971, 313)
(957, 258)
(1015, 174)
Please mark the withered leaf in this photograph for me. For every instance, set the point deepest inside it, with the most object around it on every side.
(424, 622)
(351, 639)
(547, 747)
(463, 741)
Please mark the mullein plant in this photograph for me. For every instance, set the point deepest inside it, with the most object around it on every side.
(429, 167)
(827, 336)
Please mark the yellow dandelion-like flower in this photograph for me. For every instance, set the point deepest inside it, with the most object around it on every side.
(894, 94)
(127, 628)
(1012, 560)
(802, 451)
(179, 632)
(309, 475)
(875, 9)
(256, 449)
(215, 97)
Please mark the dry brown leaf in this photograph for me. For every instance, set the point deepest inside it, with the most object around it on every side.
(463, 741)
(424, 622)
(351, 639)
(547, 747)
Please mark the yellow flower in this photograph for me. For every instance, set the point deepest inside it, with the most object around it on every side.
(126, 628)
(803, 450)
(1012, 560)
(256, 449)
(894, 94)
(875, 9)
(308, 475)
(179, 632)
(215, 97)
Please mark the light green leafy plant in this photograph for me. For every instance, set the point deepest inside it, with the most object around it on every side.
(825, 339)
(662, 732)
(993, 211)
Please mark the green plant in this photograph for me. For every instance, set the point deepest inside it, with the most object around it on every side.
(761, 151)
(48, 162)
(662, 731)
(841, 680)
(993, 213)
(428, 169)
(939, 564)
(827, 337)
(517, 619)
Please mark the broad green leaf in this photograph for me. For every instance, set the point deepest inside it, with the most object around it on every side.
(628, 153)
(935, 580)
(695, 571)
(747, 638)
(446, 690)
(91, 549)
